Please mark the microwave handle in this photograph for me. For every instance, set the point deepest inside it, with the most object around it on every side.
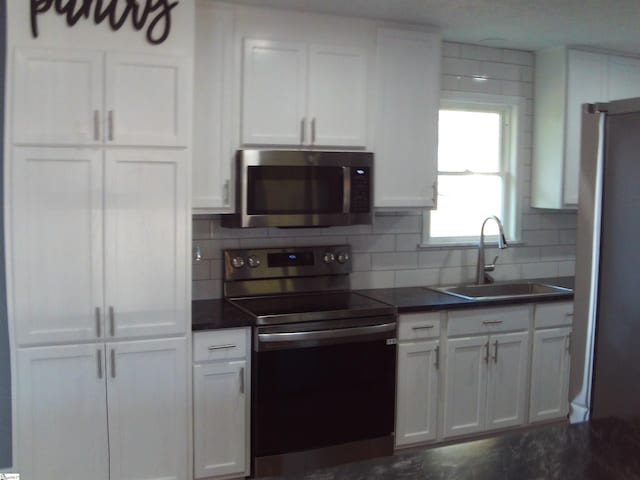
(346, 199)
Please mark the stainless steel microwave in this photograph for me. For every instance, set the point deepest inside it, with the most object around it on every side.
(281, 188)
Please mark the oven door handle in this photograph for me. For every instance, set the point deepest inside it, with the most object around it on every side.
(315, 337)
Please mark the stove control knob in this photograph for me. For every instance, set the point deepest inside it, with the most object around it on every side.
(328, 258)
(343, 257)
(237, 262)
(253, 261)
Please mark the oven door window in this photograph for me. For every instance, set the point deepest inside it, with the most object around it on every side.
(315, 397)
(282, 190)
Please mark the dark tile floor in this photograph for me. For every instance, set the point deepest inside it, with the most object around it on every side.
(598, 450)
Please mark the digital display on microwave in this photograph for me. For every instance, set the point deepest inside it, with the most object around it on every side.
(282, 190)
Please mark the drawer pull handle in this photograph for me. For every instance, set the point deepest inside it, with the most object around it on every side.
(486, 356)
(495, 356)
(437, 364)
(568, 314)
(492, 322)
(242, 380)
(425, 327)
(221, 347)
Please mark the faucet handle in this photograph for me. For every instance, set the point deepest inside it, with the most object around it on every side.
(491, 266)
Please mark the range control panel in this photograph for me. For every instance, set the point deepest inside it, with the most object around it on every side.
(288, 262)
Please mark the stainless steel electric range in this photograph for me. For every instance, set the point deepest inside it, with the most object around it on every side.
(324, 358)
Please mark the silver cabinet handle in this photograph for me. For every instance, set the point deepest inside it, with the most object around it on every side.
(437, 364)
(113, 363)
(313, 131)
(226, 192)
(221, 347)
(242, 380)
(112, 322)
(568, 343)
(434, 188)
(303, 128)
(98, 329)
(495, 355)
(99, 359)
(422, 327)
(110, 124)
(486, 356)
(96, 125)
(492, 322)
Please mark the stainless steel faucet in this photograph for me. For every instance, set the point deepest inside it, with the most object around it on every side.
(481, 271)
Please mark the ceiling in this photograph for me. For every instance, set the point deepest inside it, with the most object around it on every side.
(520, 24)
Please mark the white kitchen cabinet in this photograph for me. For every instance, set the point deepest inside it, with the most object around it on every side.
(69, 286)
(418, 378)
(57, 236)
(66, 393)
(507, 384)
(62, 429)
(486, 373)
(148, 408)
(221, 396)
(551, 362)
(146, 221)
(566, 79)
(211, 184)
(417, 400)
(406, 127)
(69, 97)
(296, 93)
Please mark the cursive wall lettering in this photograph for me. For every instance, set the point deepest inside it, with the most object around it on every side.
(116, 12)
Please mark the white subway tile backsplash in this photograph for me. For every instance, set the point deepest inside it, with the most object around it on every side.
(386, 254)
(394, 261)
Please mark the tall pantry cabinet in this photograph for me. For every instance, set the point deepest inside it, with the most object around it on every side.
(98, 227)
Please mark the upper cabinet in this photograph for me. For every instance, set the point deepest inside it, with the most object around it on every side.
(566, 79)
(408, 100)
(295, 93)
(77, 97)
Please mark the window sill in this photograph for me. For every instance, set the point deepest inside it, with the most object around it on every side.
(459, 245)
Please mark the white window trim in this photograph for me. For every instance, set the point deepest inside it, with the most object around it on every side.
(515, 106)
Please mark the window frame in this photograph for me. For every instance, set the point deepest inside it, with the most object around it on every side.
(512, 109)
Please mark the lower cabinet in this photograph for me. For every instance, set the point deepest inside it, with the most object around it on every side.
(486, 376)
(551, 362)
(100, 411)
(418, 378)
(221, 395)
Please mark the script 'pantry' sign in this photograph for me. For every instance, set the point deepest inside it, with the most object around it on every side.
(152, 15)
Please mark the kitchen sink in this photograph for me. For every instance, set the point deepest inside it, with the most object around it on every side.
(503, 290)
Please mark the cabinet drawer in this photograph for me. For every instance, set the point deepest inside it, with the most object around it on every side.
(488, 320)
(413, 326)
(220, 344)
(553, 314)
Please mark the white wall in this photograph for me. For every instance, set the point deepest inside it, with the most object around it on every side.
(386, 254)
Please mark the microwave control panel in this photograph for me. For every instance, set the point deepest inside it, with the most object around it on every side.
(360, 190)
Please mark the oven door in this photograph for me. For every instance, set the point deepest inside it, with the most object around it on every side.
(322, 384)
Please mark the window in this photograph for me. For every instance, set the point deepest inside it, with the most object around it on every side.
(477, 160)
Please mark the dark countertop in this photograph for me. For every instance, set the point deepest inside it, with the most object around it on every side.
(598, 450)
(216, 314)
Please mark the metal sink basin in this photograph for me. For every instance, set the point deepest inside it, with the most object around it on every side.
(503, 290)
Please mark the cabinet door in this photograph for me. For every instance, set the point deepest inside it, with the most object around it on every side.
(148, 405)
(274, 92)
(337, 96)
(586, 83)
(146, 100)
(220, 418)
(465, 385)
(56, 244)
(406, 129)
(550, 374)
(417, 394)
(146, 225)
(212, 132)
(57, 97)
(624, 78)
(508, 380)
(62, 413)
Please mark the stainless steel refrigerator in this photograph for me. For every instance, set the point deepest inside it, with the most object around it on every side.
(605, 377)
